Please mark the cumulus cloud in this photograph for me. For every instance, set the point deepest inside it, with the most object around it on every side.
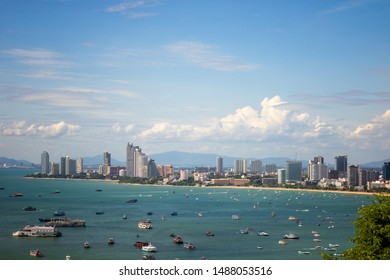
(22, 128)
(122, 127)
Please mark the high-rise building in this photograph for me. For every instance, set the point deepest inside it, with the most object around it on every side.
(63, 166)
(106, 163)
(45, 164)
(340, 165)
(219, 165)
(130, 159)
(152, 169)
(54, 169)
(281, 176)
(317, 170)
(294, 171)
(270, 168)
(386, 171)
(240, 166)
(255, 166)
(353, 175)
(79, 165)
(70, 166)
(362, 177)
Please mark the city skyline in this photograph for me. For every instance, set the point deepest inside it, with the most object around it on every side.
(242, 79)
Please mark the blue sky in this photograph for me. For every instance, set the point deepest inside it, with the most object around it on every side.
(237, 78)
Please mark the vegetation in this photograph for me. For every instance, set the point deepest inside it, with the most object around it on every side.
(372, 232)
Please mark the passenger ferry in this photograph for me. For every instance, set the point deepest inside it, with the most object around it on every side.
(37, 231)
(63, 222)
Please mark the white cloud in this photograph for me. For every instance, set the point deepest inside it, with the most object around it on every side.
(38, 58)
(207, 56)
(122, 127)
(131, 8)
(55, 130)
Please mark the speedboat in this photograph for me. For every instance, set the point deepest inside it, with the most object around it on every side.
(149, 248)
(282, 242)
(304, 252)
(263, 233)
(209, 233)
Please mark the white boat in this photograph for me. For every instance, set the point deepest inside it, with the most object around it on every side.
(124, 217)
(189, 246)
(291, 236)
(36, 253)
(304, 252)
(149, 248)
(263, 233)
(235, 217)
(317, 240)
(333, 245)
(87, 245)
(282, 242)
(292, 218)
(145, 224)
(37, 231)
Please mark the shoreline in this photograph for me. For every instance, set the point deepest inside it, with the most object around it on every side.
(223, 187)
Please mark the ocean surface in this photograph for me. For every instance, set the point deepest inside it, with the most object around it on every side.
(199, 210)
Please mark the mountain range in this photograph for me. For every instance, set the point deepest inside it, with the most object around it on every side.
(188, 160)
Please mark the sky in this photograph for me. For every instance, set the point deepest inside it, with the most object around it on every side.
(255, 78)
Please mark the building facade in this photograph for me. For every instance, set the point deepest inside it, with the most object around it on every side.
(293, 171)
(340, 165)
(45, 163)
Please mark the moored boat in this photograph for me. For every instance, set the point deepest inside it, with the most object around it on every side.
(141, 243)
(29, 208)
(59, 213)
(16, 194)
(37, 231)
(189, 246)
(209, 233)
(87, 245)
(291, 236)
(178, 240)
(36, 253)
(111, 241)
(149, 248)
(304, 252)
(63, 222)
(282, 242)
(132, 200)
(263, 233)
(146, 224)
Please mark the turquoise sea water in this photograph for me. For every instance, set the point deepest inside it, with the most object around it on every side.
(330, 214)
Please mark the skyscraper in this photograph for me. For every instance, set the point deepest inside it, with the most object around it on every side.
(45, 164)
(340, 165)
(239, 166)
(106, 162)
(294, 171)
(353, 175)
(386, 171)
(317, 170)
(130, 159)
(255, 166)
(219, 165)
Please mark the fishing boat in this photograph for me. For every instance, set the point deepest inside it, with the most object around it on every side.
(149, 248)
(36, 253)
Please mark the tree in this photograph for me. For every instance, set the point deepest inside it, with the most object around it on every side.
(372, 232)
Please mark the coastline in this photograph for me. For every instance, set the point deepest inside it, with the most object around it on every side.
(225, 187)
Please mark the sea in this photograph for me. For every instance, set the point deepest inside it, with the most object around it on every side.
(199, 210)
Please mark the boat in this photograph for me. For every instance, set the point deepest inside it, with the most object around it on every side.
(189, 246)
(149, 248)
(263, 233)
(273, 214)
(37, 231)
(163, 218)
(333, 245)
(146, 224)
(59, 213)
(174, 213)
(330, 249)
(16, 195)
(36, 253)
(244, 231)
(68, 258)
(200, 214)
(149, 213)
(99, 212)
(317, 240)
(291, 236)
(87, 245)
(63, 222)
(29, 208)
(99, 190)
(178, 240)
(134, 200)
(209, 233)
(304, 252)
(282, 242)
(260, 247)
(55, 192)
(111, 241)
(292, 218)
(235, 217)
(124, 217)
(141, 243)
